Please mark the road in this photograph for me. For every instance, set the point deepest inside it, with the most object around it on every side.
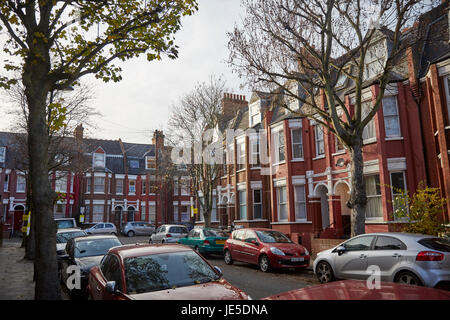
(249, 278)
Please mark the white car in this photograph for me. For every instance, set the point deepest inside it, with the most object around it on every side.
(169, 233)
(64, 235)
(102, 228)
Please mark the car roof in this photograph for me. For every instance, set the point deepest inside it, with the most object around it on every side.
(139, 249)
(173, 225)
(68, 230)
(96, 237)
(404, 235)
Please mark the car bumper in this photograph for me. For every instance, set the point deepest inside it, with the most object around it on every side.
(435, 277)
(210, 249)
(287, 262)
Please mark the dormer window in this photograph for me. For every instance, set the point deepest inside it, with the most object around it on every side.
(375, 60)
(99, 160)
(255, 113)
(150, 162)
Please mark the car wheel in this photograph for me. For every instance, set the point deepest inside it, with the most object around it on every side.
(227, 257)
(264, 263)
(324, 272)
(406, 277)
(130, 233)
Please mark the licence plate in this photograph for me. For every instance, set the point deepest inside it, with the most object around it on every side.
(220, 241)
(297, 259)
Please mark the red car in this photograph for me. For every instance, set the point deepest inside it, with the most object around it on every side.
(358, 290)
(152, 272)
(266, 248)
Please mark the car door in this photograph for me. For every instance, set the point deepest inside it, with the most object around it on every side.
(161, 234)
(110, 271)
(387, 254)
(97, 281)
(353, 262)
(137, 228)
(250, 251)
(148, 228)
(237, 245)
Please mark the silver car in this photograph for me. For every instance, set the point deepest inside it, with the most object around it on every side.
(414, 259)
(102, 228)
(169, 233)
(138, 228)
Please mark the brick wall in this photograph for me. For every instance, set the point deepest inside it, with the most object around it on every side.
(318, 245)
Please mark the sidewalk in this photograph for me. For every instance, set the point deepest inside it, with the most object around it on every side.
(16, 273)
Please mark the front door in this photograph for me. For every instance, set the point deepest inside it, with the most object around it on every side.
(353, 262)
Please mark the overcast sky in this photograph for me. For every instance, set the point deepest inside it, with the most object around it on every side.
(140, 103)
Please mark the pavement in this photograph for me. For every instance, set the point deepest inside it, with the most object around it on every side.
(16, 273)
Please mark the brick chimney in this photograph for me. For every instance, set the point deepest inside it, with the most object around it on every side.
(158, 139)
(78, 132)
(231, 103)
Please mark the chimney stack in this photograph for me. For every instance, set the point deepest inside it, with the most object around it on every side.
(232, 103)
(78, 132)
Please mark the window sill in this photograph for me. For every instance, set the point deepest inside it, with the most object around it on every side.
(255, 168)
(303, 221)
(339, 153)
(322, 156)
(393, 138)
(369, 141)
(240, 170)
(279, 163)
(298, 160)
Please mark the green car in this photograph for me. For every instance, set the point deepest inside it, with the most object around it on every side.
(205, 240)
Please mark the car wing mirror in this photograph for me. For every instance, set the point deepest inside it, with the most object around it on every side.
(219, 271)
(111, 287)
(340, 250)
(255, 242)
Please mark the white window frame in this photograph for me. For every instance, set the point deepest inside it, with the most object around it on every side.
(392, 190)
(447, 93)
(21, 183)
(397, 116)
(280, 204)
(147, 158)
(298, 202)
(318, 141)
(380, 217)
(95, 161)
(298, 144)
(96, 185)
(371, 123)
(132, 187)
(257, 203)
(242, 203)
(60, 182)
(254, 154)
(117, 180)
(241, 156)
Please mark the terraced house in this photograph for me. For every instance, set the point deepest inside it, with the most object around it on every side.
(305, 187)
(106, 180)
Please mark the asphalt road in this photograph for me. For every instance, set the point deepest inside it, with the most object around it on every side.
(249, 278)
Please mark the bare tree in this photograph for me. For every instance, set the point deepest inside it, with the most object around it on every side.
(65, 111)
(317, 52)
(191, 124)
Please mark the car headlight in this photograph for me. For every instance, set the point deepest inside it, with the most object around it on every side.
(277, 251)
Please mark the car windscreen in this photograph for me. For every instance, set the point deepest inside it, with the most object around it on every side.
(95, 247)
(178, 230)
(63, 237)
(214, 233)
(166, 271)
(272, 237)
(439, 244)
(64, 224)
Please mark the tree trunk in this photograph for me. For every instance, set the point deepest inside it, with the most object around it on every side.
(36, 69)
(358, 199)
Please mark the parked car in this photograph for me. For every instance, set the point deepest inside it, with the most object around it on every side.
(84, 252)
(169, 233)
(358, 290)
(266, 248)
(64, 235)
(158, 272)
(138, 228)
(102, 228)
(65, 223)
(205, 240)
(407, 258)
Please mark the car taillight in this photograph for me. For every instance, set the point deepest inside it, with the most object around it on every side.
(168, 235)
(206, 243)
(429, 256)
